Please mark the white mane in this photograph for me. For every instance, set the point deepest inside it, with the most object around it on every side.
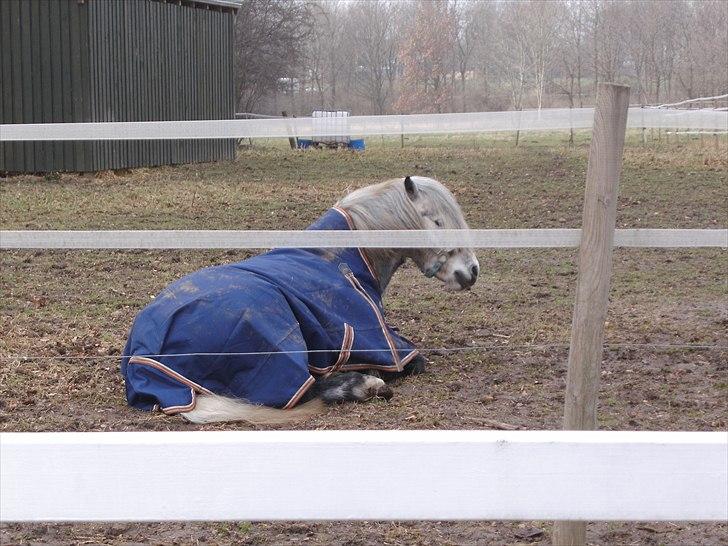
(387, 205)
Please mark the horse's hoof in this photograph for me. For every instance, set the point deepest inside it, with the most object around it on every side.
(385, 391)
(375, 388)
(416, 367)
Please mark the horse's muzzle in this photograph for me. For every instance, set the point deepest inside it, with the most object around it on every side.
(467, 280)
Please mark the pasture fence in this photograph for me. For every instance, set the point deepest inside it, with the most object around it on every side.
(444, 238)
(720, 104)
(392, 475)
(551, 119)
(363, 475)
(714, 99)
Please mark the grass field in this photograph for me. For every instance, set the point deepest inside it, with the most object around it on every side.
(82, 303)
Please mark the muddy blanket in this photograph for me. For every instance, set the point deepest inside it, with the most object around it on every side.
(261, 329)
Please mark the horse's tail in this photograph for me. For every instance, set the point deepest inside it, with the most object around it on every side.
(212, 408)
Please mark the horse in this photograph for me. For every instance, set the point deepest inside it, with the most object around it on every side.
(279, 336)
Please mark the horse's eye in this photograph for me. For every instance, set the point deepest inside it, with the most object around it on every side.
(438, 223)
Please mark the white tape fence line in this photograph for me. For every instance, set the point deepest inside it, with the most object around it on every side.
(691, 101)
(445, 238)
(364, 475)
(470, 122)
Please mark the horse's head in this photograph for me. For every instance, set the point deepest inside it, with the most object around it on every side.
(458, 268)
(415, 202)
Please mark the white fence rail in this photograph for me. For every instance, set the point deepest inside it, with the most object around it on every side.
(364, 475)
(445, 238)
(471, 122)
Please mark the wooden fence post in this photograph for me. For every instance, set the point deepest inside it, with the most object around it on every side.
(595, 269)
(401, 135)
(292, 139)
(716, 135)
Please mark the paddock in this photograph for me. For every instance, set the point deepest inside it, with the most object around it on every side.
(498, 352)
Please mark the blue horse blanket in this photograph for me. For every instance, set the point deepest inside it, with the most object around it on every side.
(262, 328)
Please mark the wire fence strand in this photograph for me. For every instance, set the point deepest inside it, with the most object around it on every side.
(429, 350)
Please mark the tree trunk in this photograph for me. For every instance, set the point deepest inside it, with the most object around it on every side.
(462, 89)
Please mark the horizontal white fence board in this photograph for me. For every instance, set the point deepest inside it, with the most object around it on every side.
(671, 238)
(308, 127)
(364, 475)
(444, 238)
(688, 101)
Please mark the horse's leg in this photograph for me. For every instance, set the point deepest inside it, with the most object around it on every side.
(348, 387)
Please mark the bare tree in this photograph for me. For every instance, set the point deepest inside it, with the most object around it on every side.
(513, 60)
(637, 49)
(327, 54)
(268, 36)
(425, 55)
(711, 37)
(540, 20)
(609, 21)
(467, 35)
(379, 56)
(687, 54)
(512, 56)
(486, 37)
(571, 35)
(372, 29)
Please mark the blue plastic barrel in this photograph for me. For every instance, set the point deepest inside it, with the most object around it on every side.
(357, 144)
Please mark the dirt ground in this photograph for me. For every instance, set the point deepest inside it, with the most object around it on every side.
(511, 329)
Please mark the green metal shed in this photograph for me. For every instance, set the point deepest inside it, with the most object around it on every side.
(115, 60)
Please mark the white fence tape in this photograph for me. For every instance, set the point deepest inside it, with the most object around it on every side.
(471, 122)
(445, 238)
(690, 101)
(364, 475)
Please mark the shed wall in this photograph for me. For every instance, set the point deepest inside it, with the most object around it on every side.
(106, 60)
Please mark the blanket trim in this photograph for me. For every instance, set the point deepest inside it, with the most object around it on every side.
(300, 392)
(382, 324)
(344, 354)
(362, 252)
(356, 367)
(194, 387)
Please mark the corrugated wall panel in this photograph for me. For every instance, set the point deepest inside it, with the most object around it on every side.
(115, 95)
(78, 93)
(59, 160)
(36, 98)
(6, 97)
(66, 68)
(145, 96)
(131, 148)
(162, 86)
(203, 101)
(108, 60)
(16, 79)
(46, 78)
(28, 76)
(101, 79)
(184, 78)
(95, 77)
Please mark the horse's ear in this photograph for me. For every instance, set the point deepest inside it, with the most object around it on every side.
(411, 188)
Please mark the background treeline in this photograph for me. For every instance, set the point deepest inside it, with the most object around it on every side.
(397, 56)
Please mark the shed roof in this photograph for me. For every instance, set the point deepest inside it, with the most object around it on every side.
(235, 4)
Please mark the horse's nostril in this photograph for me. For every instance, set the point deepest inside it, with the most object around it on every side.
(474, 272)
(463, 281)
